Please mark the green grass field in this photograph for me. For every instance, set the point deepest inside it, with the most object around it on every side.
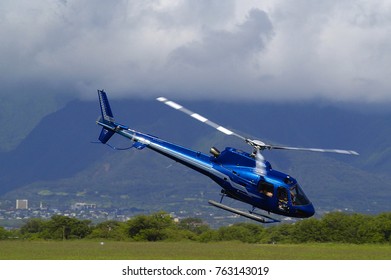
(115, 250)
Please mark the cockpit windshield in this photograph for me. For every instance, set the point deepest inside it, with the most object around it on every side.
(297, 195)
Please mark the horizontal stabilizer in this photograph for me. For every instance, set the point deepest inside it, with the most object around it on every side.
(138, 145)
(105, 135)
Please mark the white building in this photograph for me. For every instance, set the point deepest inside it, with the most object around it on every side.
(22, 204)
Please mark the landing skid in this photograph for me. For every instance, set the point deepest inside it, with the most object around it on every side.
(252, 215)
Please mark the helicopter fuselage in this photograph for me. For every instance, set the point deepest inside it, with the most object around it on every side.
(234, 170)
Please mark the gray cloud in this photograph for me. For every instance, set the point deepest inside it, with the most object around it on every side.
(221, 61)
(220, 47)
(279, 50)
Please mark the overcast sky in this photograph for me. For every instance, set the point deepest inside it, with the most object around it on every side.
(338, 50)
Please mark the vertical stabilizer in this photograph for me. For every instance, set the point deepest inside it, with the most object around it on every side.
(107, 117)
(107, 114)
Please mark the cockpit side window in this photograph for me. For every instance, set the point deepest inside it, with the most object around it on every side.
(266, 188)
(283, 204)
(297, 196)
(282, 194)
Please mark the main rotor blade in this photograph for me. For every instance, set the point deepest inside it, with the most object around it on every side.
(256, 144)
(198, 117)
(346, 152)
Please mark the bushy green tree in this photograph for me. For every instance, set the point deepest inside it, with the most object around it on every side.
(177, 234)
(4, 234)
(109, 230)
(195, 225)
(245, 232)
(150, 228)
(370, 232)
(33, 228)
(208, 236)
(346, 228)
(282, 233)
(382, 223)
(62, 227)
(309, 230)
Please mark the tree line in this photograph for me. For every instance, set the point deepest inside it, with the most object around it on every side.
(336, 227)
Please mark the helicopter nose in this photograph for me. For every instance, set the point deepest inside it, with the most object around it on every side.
(310, 210)
(305, 211)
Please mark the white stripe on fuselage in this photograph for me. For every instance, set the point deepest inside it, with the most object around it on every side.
(154, 144)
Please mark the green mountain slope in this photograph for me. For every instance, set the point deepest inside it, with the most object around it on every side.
(23, 112)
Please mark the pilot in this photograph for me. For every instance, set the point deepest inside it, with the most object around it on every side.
(267, 193)
(282, 195)
(293, 197)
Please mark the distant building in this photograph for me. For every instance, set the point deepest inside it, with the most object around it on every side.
(22, 204)
(83, 206)
(42, 206)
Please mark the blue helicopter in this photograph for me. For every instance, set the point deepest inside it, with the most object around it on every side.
(246, 177)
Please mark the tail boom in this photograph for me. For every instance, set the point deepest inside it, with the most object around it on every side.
(190, 158)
